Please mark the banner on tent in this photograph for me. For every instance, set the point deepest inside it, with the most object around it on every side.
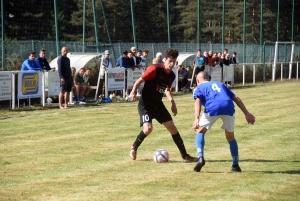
(5, 85)
(53, 83)
(29, 85)
(115, 79)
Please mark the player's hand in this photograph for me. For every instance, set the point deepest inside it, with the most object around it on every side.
(250, 118)
(196, 124)
(132, 96)
(174, 109)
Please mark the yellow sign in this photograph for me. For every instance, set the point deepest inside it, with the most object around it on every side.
(30, 83)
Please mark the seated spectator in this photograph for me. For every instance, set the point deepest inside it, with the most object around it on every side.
(79, 86)
(123, 60)
(86, 83)
(158, 59)
(182, 77)
(233, 58)
(42, 61)
(30, 64)
(73, 70)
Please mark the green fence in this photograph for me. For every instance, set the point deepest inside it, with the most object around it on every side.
(17, 51)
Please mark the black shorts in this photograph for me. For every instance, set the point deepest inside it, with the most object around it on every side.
(157, 111)
(67, 86)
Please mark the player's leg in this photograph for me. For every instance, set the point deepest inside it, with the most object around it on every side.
(176, 138)
(60, 99)
(146, 122)
(67, 95)
(205, 123)
(228, 125)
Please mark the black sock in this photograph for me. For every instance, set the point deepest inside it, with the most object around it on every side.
(139, 139)
(179, 142)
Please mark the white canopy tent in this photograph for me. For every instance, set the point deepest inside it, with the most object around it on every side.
(78, 60)
(183, 56)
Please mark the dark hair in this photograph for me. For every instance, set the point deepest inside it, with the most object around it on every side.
(30, 53)
(89, 69)
(140, 51)
(146, 50)
(234, 53)
(42, 50)
(200, 50)
(172, 53)
(226, 50)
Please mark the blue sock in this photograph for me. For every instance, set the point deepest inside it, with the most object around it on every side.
(200, 144)
(76, 98)
(234, 150)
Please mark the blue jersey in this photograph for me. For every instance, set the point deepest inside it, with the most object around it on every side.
(216, 98)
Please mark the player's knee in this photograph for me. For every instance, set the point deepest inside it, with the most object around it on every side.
(147, 130)
(201, 130)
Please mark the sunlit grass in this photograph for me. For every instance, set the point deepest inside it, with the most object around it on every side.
(83, 153)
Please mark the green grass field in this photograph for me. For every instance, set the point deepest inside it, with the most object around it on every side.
(82, 153)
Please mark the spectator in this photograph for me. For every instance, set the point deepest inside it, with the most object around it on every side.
(138, 58)
(86, 83)
(198, 62)
(158, 59)
(106, 63)
(131, 60)
(42, 61)
(225, 52)
(73, 70)
(144, 58)
(224, 60)
(133, 51)
(123, 60)
(30, 64)
(233, 58)
(216, 59)
(210, 58)
(65, 75)
(79, 86)
(182, 78)
(106, 60)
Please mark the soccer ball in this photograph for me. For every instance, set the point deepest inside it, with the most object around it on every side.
(127, 98)
(161, 156)
(49, 100)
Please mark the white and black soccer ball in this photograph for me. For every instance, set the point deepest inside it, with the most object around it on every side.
(161, 156)
(49, 100)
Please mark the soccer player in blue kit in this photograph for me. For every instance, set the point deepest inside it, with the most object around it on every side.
(158, 80)
(218, 102)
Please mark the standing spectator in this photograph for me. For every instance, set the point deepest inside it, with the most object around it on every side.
(133, 52)
(106, 60)
(232, 59)
(138, 58)
(106, 63)
(65, 75)
(218, 103)
(158, 59)
(73, 70)
(144, 58)
(225, 52)
(131, 60)
(123, 60)
(210, 58)
(42, 61)
(224, 60)
(86, 83)
(79, 86)
(30, 64)
(158, 81)
(198, 62)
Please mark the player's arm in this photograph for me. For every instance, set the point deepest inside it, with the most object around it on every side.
(197, 111)
(249, 117)
(171, 99)
(135, 87)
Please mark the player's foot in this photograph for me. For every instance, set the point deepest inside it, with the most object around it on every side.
(235, 168)
(189, 158)
(200, 164)
(133, 153)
